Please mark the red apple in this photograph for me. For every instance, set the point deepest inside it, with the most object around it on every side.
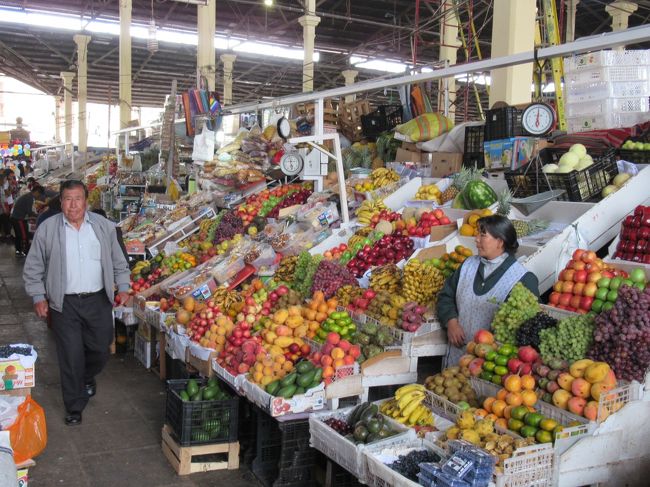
(577, 254)
(580, 276)
(557, 287)
(575, 302)
(594, 276)
(527, 354)
(554, 298)
(585, 303)
(565, 299)
(514, 364)
(567, 287)
(578, 288)
(569, 275)
(589, 256)
(590, 289)
(579, 266)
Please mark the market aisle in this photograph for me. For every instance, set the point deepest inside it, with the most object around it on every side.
(119, 440)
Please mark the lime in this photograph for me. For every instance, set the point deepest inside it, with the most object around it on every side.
(528, 431)
(543, 437)
(519, 412)
(533, 419)
(491, 355)
(496, 379)
(515, 424)
(489, 366)
(501, 360)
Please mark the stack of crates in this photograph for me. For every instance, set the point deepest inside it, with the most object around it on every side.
(607, 89)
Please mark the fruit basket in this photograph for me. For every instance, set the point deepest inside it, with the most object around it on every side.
(234, 381)
(341, 449)
(381, 475)
(312, 400)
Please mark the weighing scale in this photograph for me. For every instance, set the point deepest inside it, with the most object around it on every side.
(538, 119)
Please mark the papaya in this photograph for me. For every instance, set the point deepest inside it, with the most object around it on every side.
(273, 387)
(289, 379)
(305, 379)
(299, 390)
(184, 396)
(192, 387)
(304, 366)
(287, 391)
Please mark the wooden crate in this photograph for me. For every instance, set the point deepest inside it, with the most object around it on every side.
(180, 457)
(350, 118)
(330, 111)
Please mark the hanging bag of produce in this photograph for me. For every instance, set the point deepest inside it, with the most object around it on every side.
(203, 146)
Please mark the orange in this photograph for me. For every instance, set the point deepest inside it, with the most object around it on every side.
(513, 383)
(498, 406)
(481, 413)
(507, 411)
(492, 417)
(528, 382)
(487, 404)
(514, 399)
(502, 394)
(319, 296)
(501, 422)
(528, 398)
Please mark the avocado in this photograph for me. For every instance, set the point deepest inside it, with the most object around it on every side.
(209, 393)
(198, 396)
(305, 379)
(289, 379)
(213, 382)
(384, 433)
(368, 413)
(304, 367)
(372, 437)
(192, 387)
(273, 387)
(299, 390)
(356, 413)
(360, 433)
(184, 396)
(373, 426)
(287, 391)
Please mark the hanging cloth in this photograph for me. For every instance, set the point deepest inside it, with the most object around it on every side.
(405, 99)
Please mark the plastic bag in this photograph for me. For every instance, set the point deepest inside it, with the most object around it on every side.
(29, 432)
(425, 127)
(203, 146)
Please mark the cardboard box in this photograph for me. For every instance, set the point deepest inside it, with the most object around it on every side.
(403, 155)
(18, 371)
(201, 359)
(410, 146)
(511, 153)
(143, 350)
(443, 163)
(441, 232)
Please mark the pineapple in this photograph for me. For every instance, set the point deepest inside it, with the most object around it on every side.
(525, 228)
(504, 200)
(458, 182)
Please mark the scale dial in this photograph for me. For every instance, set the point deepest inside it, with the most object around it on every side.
(538, 119)
(291, 163)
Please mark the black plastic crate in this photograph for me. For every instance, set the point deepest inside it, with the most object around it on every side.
(474, 138)
(384, 118)
(187, 418)
(636, 156)
(298, 476)
(474, 160)
(579, 185)
(502, 123)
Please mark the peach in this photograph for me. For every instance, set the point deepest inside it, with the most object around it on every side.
(470, 346)
(576, 405)
(465, 360)
(610, 379)
(483, 336)
(590, 411)
(565, 380)
(561, 398)
(337, 353)
(581, 388)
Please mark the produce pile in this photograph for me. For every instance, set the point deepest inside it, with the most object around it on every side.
(634, 243)
(622, 334)
(528, 331)
(450, 261)
(520, 306)
(329, 277)
(408, 465)
(453, 384)
(369, 424)
(569, 340)
(407, 407)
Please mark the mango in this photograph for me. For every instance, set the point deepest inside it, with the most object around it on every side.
(578, 367)
(283, 342)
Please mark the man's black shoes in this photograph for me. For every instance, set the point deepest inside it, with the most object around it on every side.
(73, 419)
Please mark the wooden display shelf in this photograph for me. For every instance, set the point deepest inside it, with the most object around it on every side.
(180, 457)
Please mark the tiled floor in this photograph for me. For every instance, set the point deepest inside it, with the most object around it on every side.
(118, 443)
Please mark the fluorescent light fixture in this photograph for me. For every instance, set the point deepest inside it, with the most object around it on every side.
(268, 3)
(378, 64)
(75, 23)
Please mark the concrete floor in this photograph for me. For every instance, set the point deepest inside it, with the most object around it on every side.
(118, 443)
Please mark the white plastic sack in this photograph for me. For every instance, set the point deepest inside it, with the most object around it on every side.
(7, 466)
(9, 410)
(203, 146)
(571, 243)
(452, 141)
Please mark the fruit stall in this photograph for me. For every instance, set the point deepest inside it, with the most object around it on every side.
(285, 331)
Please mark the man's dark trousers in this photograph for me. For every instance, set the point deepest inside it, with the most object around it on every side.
(83, 333)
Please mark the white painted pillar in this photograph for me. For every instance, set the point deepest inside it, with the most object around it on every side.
(57, 119)
(448, 52)
(571, 7)
(350, 76)
(206, 26)
(228, 61)
(67, 77)
(620, 12)
(82, 91)
(513, 31)
(309, 21)
(125, 63)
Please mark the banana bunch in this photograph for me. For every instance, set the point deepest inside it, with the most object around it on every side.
(348, 293)
(225, 298)
(407, 407)
(398, 301)
(139, 267)
(382, 177)
(421, 283)
(368, 209)
(286, 268)
(359, 236)
(429, 192)
(386, 278)
(204, 226)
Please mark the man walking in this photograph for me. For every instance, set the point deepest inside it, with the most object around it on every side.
(70, 271)
(22, 210)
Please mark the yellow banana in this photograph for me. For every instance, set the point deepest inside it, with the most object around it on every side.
(412, 406)
(419, 412)
(407, 398)
(408, 388)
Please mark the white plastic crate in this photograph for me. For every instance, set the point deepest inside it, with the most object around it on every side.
(605, 121)
(600, 90)
(528, 466)
(381, 475)
(609, 73)
(343, 451)
(606, 106)
(599, 59)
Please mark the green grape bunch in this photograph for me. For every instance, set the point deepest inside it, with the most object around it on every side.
(520, 306)
(569, 340)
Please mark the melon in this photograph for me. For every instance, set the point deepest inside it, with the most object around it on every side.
(620, 179)
(550, 168)
(570, 158)
(564, 168)
(408, 213)
(578, 149)
(384, 227)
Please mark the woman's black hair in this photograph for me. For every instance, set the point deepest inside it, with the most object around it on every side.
(500, 227)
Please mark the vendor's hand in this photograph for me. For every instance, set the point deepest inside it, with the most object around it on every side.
(42, 308)
(124, 297)
(455, 333)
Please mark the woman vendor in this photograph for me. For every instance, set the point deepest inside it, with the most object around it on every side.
(466, 303)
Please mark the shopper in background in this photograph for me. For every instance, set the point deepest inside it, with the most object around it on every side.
(470, 297)
(118, 232)
(22, 210)
(5, 212)
(71, 272)
(53, 208)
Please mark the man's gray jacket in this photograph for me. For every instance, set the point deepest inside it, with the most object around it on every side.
(44, 272)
